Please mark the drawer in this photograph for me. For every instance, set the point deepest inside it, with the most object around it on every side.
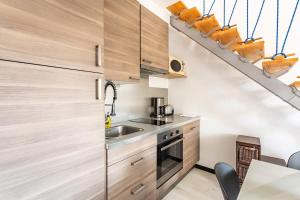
(191, 126)
(122, 152)
(126, 175)
(246, 154)
(242, 171)
(143, 189)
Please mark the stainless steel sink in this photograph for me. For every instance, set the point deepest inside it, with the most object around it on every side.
(121, 130)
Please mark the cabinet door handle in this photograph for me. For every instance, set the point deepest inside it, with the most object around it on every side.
(193, 128)
(146, 61)
(98, 55)
(137, 161)
(137, 189)
(98, 89)
(133, 78)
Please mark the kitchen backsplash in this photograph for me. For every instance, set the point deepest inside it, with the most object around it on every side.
(133, 100)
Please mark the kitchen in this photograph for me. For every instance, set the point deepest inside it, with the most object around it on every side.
(110, 99)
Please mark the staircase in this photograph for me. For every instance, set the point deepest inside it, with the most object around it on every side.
(278, 88)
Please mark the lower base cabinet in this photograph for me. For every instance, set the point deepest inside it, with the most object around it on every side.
(131, 168)
(134, 177)
(190, 146)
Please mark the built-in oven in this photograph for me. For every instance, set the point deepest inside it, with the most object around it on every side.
(169, 154)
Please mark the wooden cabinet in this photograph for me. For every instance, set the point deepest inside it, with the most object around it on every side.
(52, 140)
(122, 40)
(154, 41)
(190, 146)
(134, 177)
(131, 171)
(247, 148)
(60, 33)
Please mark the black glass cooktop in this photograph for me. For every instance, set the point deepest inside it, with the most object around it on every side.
(156, 122)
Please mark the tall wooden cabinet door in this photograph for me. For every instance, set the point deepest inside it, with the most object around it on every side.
(190, 146)
(122, 40)
(60, 33)
(154, 41)
(52, 140)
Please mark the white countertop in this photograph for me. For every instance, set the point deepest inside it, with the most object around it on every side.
(268, 181)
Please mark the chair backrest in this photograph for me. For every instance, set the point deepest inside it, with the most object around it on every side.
(294, 161)
(228, 180)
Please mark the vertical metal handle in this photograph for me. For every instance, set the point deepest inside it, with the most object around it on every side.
(98, 55)
(98, 89)
(138, 189)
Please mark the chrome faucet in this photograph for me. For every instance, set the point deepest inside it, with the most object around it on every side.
(113, 109)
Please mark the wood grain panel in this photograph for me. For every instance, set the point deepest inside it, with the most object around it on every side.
(125, 175)
(61, 33)
(154, 40)
(52, 145)
(122, 40)
(190, 145)
(145, 189)
(120, 153)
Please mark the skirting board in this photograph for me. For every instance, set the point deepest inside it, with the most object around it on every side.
(209, 170)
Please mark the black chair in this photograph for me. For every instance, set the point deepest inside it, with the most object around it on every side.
(228, 180)
(294, 161)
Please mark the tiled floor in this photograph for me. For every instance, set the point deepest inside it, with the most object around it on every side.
(197, 185)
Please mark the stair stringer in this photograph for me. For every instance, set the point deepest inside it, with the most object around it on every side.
(274, 85)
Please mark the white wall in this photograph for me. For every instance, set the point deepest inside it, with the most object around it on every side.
(230, 103)
(134, 99)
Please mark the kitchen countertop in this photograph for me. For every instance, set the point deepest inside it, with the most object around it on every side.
(148, 130)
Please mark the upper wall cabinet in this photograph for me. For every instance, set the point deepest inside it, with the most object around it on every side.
(122, 40)
(154, 41)
(60, 33)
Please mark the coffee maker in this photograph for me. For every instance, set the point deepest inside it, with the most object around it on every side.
(157, 107)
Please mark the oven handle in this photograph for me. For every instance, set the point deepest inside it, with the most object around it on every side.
(172, 144)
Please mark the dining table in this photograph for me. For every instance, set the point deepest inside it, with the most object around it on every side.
(268, 181)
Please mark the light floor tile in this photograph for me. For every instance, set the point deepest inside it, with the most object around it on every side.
(198, 185)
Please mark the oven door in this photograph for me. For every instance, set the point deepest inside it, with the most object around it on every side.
(169, 159)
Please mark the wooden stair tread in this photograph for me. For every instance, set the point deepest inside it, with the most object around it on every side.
(252, 50)
(190, 15)
(279, 63)
(177, 8)
(207, 24)
(296, 84)
(226, 36)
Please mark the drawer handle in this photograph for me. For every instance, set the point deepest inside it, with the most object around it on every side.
(137, 189)
(137, 161)
(147, 61)
(133, 78)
